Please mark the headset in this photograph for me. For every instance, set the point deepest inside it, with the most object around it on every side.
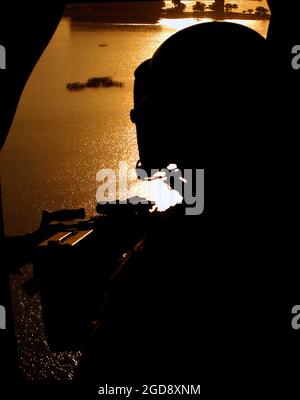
(185, 83)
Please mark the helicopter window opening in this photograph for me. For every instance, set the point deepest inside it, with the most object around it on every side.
(61, 138)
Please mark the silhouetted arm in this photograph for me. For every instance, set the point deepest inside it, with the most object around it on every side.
(25, 30)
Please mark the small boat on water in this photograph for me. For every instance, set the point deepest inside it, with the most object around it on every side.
(95, 82)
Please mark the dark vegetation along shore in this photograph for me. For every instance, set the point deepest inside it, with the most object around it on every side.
(216, 10)
(96, 82)
(152, 11)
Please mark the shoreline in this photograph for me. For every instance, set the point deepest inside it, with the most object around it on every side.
(148, 13)
(211, 15)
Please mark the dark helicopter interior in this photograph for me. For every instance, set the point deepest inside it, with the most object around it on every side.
(23, 52)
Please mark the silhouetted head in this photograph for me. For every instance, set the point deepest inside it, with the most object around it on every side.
(205, 87)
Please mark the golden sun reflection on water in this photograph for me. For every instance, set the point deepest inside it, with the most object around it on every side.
(181, 23)
(261, 26)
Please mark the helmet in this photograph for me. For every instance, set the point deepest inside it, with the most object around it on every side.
(194, 94)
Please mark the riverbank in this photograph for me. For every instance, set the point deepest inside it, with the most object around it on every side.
(149, 12)
(171, 13)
